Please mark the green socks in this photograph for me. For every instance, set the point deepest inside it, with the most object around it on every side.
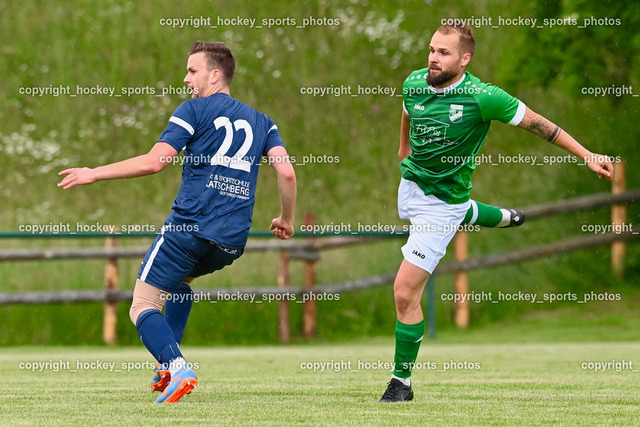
(408, 339)
(486, 215)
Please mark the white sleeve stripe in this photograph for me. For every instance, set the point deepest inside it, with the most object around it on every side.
(517, 118)
(404, 108)
(274, 127)
(182, 123)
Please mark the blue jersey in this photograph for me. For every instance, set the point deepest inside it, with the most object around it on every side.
(224, 141)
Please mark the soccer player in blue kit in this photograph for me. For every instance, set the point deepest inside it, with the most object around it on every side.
(224, 142)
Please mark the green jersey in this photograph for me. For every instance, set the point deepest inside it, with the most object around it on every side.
(447, 129)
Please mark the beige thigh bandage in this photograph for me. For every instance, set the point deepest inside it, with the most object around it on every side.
(146, 297)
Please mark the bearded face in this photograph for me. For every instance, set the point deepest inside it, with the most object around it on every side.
(446, 62)
(439, 77)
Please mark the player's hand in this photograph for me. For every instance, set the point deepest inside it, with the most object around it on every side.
(77, 176)
(282, 229)
(600, 164)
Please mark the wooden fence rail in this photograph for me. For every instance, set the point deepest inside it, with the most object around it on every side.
(297, 250)
(488, 261)
(308, 251)
(539, 251)
(580, 203)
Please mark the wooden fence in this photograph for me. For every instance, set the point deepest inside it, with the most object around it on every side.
(308, 251)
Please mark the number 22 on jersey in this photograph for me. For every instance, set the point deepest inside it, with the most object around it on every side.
(237, 161)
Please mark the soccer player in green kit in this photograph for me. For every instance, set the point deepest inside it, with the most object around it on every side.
(446, 117)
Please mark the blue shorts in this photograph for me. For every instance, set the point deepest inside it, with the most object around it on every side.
(175, 255)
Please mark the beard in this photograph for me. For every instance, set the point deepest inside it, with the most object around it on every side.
(442, 78)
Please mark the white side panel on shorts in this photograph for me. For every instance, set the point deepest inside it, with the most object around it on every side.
(147, 267)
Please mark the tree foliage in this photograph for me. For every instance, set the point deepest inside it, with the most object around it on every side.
(591, 43)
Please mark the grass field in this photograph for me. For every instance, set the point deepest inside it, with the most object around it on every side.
(124, 45)
(504, 383)
(524, 362)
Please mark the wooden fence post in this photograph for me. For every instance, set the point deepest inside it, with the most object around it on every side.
(110, 319)
(461, 318)
(618, 218)
(309, 323)
(283, 306)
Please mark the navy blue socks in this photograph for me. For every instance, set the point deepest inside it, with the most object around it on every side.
(177, 309)
(157, 336)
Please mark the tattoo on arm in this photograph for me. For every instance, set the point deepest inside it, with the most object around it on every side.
(554, 135)
(540, 126)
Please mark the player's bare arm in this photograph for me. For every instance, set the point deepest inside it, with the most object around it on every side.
(154, 161)
(405, 145)
(544, 128)
(282, 226)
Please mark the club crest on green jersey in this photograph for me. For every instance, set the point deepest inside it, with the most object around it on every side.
(455, 113)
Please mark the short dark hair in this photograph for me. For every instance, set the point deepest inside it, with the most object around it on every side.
(466, 41)
(218, 56)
